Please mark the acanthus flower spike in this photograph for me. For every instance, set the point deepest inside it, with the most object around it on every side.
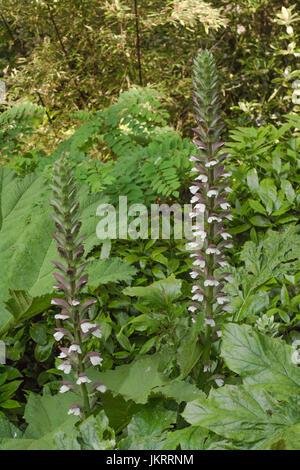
(71, 280)
(209, 189)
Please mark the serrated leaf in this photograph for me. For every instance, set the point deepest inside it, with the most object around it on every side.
(247, 415)
(259, 359)
(103, 271)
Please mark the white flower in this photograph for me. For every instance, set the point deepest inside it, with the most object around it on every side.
(76, 348)
(193, 159)
(199, 262)
(227, 308)
(96, 360)
(229, 217)
(210, 251)
(225, 235)
(64, 389)
(211, 282)
(200, 207)
(202, 178)
(219, 333)
(296, 96)
(240, 29)
(225, 206)
(62, 355)
(193, 189)
(198, 297)
(227, 174)
(58, 335)
(193, 274)
(97, 333)
(75, 302)
(74, 411)
(194, 289)
(229, 245)
(223, 263)
(193, 320)
(219, 382)
(192, 214)
(228, 190)
(86, 326)
(295, 357)
(192, 245)
(212, 192)
(83, 379)
(213, 218)
(222, 300)
(60, 316)
(290, 30)
(206, 367)
(101, 388)
(194, 199)
(210, 322)
(66, 368)
(211, 163)
(296, 84)
(192, 309)
(201, 234)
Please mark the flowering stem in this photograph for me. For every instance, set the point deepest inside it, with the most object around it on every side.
(70, 282)
(209, 191)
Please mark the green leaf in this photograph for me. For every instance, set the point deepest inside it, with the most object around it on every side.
(289, 191)
(46, 415)
(257, 206)
(41, 353)
(284, 296)
(252, 180)
(190, 349)
(126, 380)
(10, 404)
(96, 434)
(260, 221)
(63, 442)
(179, 390)
(160, 294)
(103, 271)
(22, 306)
(246, 414)
(8, 429)
(190, 438)
(39, 334)
(118, 411)
(146, 430)
(259, 359)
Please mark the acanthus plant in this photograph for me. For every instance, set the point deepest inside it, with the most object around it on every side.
(209, 196)
(77, 328)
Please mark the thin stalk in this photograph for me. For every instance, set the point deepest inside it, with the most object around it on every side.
(137, 42)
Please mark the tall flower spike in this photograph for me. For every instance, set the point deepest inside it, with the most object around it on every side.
(70, 283)
(210, 188)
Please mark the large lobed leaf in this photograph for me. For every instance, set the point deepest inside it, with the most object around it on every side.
(45, 416)
(260, 359)
(247, 414)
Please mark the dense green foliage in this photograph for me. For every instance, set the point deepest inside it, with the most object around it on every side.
(116, 102)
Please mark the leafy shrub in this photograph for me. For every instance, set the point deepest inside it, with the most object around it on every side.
(264, 162)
